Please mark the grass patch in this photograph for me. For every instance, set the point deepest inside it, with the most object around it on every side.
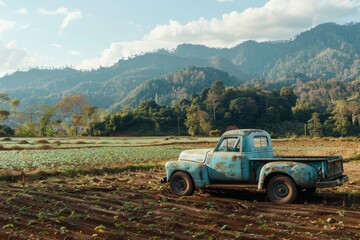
(354, 158)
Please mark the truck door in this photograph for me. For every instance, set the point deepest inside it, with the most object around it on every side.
(226, 161)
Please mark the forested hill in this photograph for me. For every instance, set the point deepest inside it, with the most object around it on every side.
(176, 86)
(328, 51)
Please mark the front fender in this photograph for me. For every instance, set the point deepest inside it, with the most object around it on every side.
(197, 171)
(303, 174)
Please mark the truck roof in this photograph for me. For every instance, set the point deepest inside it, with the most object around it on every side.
(242, 132)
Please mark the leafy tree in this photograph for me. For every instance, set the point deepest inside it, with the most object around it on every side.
(244, 111)
(45, 119)
(197, 121)
(177, 109)
(6, 131)
(4, 114)
(354, 109)
(4, 97)
(302, 112)
(28, 129)
(340, 113)
(77, 106)
(288, 95)
(315, 126)
(214, 96)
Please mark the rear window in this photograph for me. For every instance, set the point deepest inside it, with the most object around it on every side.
(260, 142)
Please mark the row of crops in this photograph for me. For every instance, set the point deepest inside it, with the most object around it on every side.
(51, 159)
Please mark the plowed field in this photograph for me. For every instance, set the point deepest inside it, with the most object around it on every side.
(134, 205)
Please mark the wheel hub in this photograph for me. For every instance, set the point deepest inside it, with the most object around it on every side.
(282, 190)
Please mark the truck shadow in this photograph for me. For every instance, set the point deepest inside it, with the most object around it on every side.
(333, 199)
(245, 194)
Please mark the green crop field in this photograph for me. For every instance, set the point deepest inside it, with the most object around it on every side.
(32, 155)
(51, 158)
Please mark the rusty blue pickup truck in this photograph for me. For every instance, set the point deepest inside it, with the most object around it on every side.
(246, 158)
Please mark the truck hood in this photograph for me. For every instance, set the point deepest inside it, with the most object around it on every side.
(194, 155)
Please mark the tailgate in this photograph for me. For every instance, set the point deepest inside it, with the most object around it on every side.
(334, 168)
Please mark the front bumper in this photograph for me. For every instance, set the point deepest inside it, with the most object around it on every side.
(333, 183)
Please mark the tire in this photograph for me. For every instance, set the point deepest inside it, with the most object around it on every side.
(181, 184)
(281, 189)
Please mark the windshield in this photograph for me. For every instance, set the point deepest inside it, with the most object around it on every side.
(230, 144)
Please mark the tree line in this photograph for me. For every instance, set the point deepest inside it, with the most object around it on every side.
(213, 110)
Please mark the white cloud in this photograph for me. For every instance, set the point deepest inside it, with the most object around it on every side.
(75, 53)
(277, 19)
(22, 11)
(6, 25)
(56, 45)
(69, 16)
(13, 58)
(61, 11)
(2, 3)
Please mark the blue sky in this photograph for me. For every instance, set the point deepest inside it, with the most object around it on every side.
(87, 34)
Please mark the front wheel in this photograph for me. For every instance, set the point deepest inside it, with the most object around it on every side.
(181, 184)
(281, 189)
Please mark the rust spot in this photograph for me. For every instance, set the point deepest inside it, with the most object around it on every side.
(220, 167)
(231, 165)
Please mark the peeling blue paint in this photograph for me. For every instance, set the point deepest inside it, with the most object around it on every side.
(251, 160)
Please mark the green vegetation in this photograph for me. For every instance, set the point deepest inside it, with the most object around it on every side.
(51, 158)
(307, 86)
(71, 159)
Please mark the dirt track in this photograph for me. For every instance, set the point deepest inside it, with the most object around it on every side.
(133, 205)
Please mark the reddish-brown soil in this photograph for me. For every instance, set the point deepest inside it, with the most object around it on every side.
(348, 148)
(134, 205)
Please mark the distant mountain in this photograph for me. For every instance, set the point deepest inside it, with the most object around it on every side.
(177, 85)
(328, 51)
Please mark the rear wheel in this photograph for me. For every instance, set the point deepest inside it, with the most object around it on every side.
(181, 184)
(281, 189)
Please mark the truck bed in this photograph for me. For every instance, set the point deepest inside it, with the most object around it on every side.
(329, 166)
(298, 158)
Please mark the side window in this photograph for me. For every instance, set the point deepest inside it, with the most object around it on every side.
(231, 144)
(260, 142)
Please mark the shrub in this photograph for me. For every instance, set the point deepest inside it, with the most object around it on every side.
(6, 131)
(215, 133)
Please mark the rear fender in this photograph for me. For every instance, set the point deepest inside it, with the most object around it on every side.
(197, 171)
(302, 174)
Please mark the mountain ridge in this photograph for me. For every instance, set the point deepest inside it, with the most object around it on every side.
(327, 51)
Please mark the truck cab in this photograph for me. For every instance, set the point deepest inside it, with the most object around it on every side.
(246, 157)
